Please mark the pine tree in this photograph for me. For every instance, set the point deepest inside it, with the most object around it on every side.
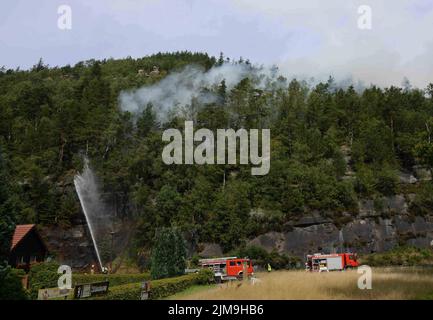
(7, 214)
(168, 254)
(147, 121)
(39, 66)
(222, 91)
(221, 59)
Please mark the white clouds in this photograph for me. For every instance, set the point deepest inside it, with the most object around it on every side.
(304, 37)
(398, 45)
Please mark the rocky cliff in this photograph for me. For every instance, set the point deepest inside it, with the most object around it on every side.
(71, 246)
(370, 231)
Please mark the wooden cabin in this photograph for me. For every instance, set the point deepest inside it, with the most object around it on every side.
(27, 247)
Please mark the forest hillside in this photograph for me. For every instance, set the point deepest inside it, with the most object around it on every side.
(338, 152)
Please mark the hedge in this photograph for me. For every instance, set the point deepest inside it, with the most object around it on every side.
(43, 275)
(159, 288)
(399, 256)
(11, 287)
(114, 279)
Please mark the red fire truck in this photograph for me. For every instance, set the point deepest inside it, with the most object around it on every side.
(331, 262)
(228, 268)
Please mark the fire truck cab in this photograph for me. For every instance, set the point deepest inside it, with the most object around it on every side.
(331, 262)
(228, 268)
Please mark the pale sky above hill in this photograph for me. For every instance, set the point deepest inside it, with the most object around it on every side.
(311, 38)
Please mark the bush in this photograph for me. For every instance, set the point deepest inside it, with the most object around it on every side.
(399, 256)
(194, 262)
(365, 181)
(387, 182)
(167, 287)
(114, 279)
(159, 288)
(256, 253)
(11, 287)
(261, 257)
(43, 275)
(205, 276)
(423, 203)
(129, 291)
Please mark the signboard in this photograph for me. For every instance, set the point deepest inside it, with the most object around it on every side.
(99, 288)
(82, 291)
(145, 290)
(144, 295)
(90, 289)
(52, 293)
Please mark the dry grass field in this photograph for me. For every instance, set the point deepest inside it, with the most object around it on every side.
(387, 283)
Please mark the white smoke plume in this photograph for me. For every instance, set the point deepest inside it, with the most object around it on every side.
(178, 89)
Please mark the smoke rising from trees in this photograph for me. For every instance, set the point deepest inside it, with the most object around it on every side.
(178, 89)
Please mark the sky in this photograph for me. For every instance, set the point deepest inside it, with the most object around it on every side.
(308, 38)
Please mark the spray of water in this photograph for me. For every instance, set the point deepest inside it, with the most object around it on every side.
(94, 209)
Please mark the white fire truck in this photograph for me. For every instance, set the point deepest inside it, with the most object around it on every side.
(330, 262)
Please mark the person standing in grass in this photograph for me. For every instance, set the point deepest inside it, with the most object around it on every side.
(269, 268)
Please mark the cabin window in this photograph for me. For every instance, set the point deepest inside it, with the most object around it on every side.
(239, 263)
(232, 263)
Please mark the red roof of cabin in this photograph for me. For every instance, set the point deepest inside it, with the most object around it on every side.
(20, 232)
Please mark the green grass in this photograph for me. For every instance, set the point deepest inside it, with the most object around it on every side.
(191, 290)
(425, 297)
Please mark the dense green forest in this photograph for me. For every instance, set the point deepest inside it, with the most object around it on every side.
(50, 117)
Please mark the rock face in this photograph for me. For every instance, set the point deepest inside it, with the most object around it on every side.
(379, 226)
(370, 231)
(72, 246)
(210, 250)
